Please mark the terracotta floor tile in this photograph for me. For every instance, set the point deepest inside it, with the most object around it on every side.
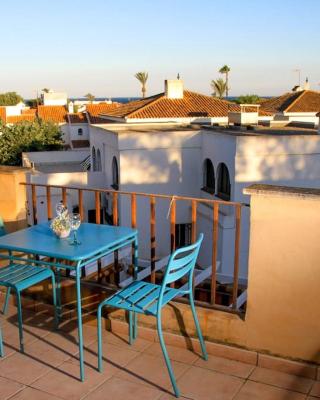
(203, 384)
(230, 367)
(315, 391)
(119, 389)
(112, 355)
(45, 352)
(22, 368)
(8, 388)
(175, 353)
(259, 391)
(151, 371)
(281, 379)
(34, 394)
(122, 340)
(64, 381)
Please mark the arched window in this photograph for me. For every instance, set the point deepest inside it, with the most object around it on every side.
(93, 159)
(80, 131)
(208, 177)
(224, 187)
(99, 167)
(115, 174)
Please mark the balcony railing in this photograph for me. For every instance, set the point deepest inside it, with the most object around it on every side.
(154, 199)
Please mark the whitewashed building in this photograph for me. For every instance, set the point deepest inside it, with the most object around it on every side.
(163, 145)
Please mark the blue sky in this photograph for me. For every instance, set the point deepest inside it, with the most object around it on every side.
(98, 45)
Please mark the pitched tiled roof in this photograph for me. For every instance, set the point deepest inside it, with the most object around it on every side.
(3, 114)
(94, 110)
(304, 101)
(159, 106)
(57, 114)
(29, 111)
(101, 108)
(14, 119)
(77, 118)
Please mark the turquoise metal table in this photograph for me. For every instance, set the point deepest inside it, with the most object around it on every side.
(97, 241)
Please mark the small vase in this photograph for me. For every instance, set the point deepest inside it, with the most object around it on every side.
(63, 234)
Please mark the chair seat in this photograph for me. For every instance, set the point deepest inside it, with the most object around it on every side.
(141, 297)
(21, 276)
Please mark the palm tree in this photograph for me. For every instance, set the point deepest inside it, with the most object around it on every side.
(46, 90)
(142, 78)
(225, 70)
(90, 97)
(219, 87)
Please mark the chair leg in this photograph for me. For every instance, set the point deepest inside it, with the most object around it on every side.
(6, 302)
(54, 299)
(166, 357)
(135, 326)
(99, 337)
(131, 328)
(20, 321)
(1, 345)
(196, 321)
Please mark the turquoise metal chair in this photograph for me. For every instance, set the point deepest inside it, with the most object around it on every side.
(147, 298)
(20, 277)
(1, 344)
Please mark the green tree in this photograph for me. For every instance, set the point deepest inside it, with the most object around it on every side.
(248, 99)
(142, 78)
(219, 87)
(90, 97)
(225, 71)
(27, 136)
(10, 99)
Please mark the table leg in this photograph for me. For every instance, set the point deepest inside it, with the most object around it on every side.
(58, 291)
(79, 315)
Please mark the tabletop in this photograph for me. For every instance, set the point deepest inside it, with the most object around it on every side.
(39, 239)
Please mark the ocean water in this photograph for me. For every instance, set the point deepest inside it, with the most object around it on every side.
(117, 99)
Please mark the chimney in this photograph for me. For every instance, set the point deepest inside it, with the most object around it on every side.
(173, 88)
(307, 85)
(70, 107)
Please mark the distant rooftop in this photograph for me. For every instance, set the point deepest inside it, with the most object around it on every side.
(262, 130)
(302, 101)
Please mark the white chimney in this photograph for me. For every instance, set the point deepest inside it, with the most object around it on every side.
(70, 107)
(173, 88)
(307, 85)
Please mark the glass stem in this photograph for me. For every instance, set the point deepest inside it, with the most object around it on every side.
(74, 236)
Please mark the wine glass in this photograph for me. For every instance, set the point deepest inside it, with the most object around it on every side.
(60, 209)
(75, 222)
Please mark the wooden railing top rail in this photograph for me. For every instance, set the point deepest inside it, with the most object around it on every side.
(162, 196)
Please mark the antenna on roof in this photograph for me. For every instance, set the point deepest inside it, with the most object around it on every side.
(178, 76)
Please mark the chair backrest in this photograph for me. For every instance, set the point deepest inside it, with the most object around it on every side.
(2, 227)
(182, 262)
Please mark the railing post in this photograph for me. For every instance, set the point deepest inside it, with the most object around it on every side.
(214, 252)
(97, 198)
(173, 229)
(153, 237)
(80, 198)
(115, 223)
(64, 196)
(49, 208)
(193, 221)
(133, 225)
(236, 256)
(34, 204)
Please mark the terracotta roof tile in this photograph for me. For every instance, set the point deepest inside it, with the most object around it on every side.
(304, 101)
(100, 108)
(3, 114)
(191, 105)
(14, 119)
(77, 118)
(29, 111)
(57, 114)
